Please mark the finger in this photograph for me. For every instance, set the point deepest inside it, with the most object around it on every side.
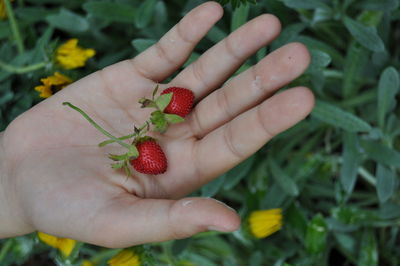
(235, 141)
(131, 221)
(222, 60)
(249, 88)
(171, 51)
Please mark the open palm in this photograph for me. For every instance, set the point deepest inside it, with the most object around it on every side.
(61, 182)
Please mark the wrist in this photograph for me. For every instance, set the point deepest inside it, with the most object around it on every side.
(10, 214)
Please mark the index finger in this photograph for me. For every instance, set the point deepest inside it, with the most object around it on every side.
(172, 50)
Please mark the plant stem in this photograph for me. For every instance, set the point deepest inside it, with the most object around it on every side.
(367, 176)
(364, 98)
(14, 26)
(106, 142)
(21, 70)
(99, 128)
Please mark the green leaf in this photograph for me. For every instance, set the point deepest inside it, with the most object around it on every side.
(6, 97)
(316, 236)
(387, 89)
(4, 30)
(158, 120)
(142, 44)
(239, 16)
(337, 117)
(163, 100)
(68, 21)
(383, 5)
(193, 57)
(386, 181)
(216, 34)
(346, 242)
(212, 188)
(145, 13)
(356, 60)
(389, 210)
(133, 152)
(381, 153)
(117, 165)
(180, 245)
(296, 219)
(173, 119)
(311, 43)
(351, 162)
(39, 53)
(365, 35)
(33, 14)
(117, 157)
(111, 11)
(285, 182)
(305, 4)
(319, 59)
(258, 177)
(234, 176)
(288, 34)
(368, 254)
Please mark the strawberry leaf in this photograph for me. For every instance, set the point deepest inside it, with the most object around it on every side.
(133, 152)
(117, 165)
(116, 157)
(127, 169)
(163, 101)
(158, 120)
(173, 119)
(147, 103)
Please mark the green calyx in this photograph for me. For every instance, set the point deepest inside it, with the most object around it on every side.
(158, 118)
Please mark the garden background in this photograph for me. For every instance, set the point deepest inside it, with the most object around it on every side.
(335, 175)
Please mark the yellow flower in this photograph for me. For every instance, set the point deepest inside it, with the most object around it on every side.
(69, 55)
(3, 13)
(263, 223)
(87, 263)
(65, 245)
(126, 257)
(52, 84)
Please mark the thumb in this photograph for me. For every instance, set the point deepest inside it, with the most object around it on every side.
(137, 221)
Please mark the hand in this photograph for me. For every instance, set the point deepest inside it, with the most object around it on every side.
(57, 180)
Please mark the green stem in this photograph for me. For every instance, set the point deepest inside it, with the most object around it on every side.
(367, 176)
(106, 142)
(14, 26)
(364, 98)
(99, 128)
(331, 73)
(4, 250)
(21, 70)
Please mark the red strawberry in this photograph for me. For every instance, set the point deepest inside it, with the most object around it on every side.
(151, 159)
(181, 103)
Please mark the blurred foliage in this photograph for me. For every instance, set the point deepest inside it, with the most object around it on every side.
(335, 175)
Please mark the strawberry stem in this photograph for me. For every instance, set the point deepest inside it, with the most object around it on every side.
(106, 142)
(131, 148)
(137, 133)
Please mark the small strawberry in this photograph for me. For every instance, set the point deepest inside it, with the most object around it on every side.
(181, 103)
(151, 159)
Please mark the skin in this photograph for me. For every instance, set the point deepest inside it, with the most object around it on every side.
(55, 179)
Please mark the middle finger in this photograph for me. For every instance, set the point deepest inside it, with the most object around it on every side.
(249, 88)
